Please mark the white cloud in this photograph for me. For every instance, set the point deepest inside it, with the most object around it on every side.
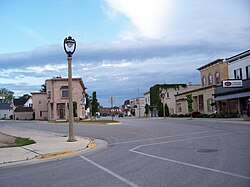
(118, 65)
(48, 67)
(150, 18)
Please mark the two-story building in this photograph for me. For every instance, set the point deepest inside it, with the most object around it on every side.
(233, 96)
(134, 107)
(53, 104)
(166, 94)
(211, 75)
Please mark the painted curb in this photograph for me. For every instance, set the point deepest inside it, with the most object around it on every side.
(55, 155)
(91, 144)
(119, 123)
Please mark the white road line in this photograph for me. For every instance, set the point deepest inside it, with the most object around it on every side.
(110, 172)
(192, 165)
(157, 138)
(187, 164)
(185, 139)
(180, 140)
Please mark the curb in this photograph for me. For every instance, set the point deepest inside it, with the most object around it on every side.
(90, 145)
(119, 123)
(55, 155)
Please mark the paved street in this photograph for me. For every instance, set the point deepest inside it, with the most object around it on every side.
(145, 152)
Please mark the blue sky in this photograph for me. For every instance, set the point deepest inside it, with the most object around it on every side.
(122, 45)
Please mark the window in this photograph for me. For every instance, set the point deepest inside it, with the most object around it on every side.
(248, 72)
(201, 104)
(65, 93)
(238, 73)
(204, 81)
(41, 113)
(39, 102)
(217, 78)
(49, 95)
(167, 95)
(210, 79)
(179, 107)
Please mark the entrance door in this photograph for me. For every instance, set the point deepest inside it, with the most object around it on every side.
(62, 113)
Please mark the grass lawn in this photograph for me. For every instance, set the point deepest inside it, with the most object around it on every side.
(23, 141)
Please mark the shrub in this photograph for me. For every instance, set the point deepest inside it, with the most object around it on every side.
(195, 114)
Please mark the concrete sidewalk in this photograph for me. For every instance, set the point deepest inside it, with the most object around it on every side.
(48, 145)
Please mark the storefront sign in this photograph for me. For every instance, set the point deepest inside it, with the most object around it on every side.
(232, 83)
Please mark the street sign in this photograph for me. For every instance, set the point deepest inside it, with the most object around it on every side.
(232, 83)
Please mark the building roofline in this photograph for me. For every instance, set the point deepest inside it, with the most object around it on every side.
(238, 56)
(38, 93)
(210, 64)
(198, 89)
(66, 79)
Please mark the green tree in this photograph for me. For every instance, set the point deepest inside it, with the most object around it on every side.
(94, 104)
(26, 96)
(43, 88)
(155, 99)
(190, 104)
(6, 95)
(87, 105)
(147, 110)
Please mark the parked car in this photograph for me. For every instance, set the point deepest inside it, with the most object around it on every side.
(120, 115)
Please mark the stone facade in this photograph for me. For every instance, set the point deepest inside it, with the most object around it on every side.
(170, 93)
(202, 100)
(211, 75)
(40, 106)
(54, 103)
(214, 72)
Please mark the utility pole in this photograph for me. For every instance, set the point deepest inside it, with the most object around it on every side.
(139, 103)
(111, 100)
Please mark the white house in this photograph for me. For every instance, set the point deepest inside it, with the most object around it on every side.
(6, 111)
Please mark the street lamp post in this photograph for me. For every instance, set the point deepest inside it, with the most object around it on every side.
(70, 47)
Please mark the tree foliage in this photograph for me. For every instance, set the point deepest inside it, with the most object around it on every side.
(147, 109)
(6, 95)
(155, 99)
(94, 104)
(190, 102)
(43, 88)
(87, 105)
(25, 96)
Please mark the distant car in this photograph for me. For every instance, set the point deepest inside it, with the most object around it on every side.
(120, 115)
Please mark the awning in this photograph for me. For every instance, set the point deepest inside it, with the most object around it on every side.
(232, 96)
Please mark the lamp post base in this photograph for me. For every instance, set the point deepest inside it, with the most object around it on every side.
(71, 140)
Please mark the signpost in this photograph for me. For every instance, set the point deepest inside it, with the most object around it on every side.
(111, 100)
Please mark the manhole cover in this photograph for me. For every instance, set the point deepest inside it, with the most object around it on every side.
(207, 150)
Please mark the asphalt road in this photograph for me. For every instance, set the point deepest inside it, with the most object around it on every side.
(145, 152)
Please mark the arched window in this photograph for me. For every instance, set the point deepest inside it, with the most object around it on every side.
(210, 79)
(217, 78)
(204, 81)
